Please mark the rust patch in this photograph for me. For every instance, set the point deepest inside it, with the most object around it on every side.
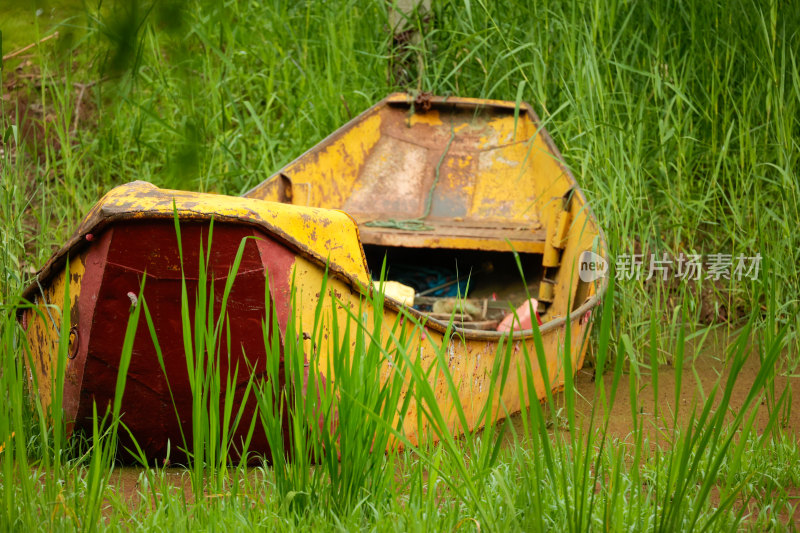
(423, 102)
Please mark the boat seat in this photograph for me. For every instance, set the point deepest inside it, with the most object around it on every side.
(461, 235)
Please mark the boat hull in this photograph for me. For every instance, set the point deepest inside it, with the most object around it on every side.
(488, 183)
(157, 405)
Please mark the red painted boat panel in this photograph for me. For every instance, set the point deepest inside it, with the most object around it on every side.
(115, 267)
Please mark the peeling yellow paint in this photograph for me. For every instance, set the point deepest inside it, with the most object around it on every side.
(510, 183)
(431, 118)
(44, 327)
(496, 170)
(328, 179)
(472, 360)
(325, 234)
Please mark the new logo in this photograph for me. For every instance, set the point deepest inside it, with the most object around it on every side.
(592, 267)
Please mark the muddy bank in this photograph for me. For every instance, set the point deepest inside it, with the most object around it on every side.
(705, 365)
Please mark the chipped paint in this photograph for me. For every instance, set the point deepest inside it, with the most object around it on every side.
(470, 360)
(430, 118)
(500, 170)
(43, 330)
(331, 175)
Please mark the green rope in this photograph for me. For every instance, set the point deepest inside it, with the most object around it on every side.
(410, 224)
(417, 224)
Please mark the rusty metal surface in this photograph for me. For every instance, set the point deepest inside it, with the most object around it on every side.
(43, 323)
(462, 162)
(452, 164)
(460, 236)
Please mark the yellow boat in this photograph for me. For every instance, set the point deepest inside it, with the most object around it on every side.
(443, 189)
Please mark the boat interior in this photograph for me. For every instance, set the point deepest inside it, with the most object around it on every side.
(475, 288)
(444, 190)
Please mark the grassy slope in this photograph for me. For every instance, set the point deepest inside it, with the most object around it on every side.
(23, 21)
(681, 122)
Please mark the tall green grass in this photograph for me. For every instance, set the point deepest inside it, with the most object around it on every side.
(330, 460)
(209, 443)
(41, 468)
(336, 410)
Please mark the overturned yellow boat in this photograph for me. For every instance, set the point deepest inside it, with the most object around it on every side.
(443, 190)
